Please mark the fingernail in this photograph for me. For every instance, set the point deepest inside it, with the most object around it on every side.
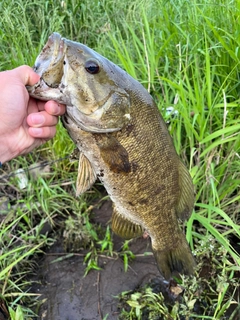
(57, 109)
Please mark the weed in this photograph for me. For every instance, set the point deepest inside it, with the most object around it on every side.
(91, 260)
(126, 254)
(107, 243)
(202, 297)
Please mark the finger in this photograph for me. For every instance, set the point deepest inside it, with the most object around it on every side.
(35, 105)
(54, 108)
(45, 133)
(26, 74)
(41, 119)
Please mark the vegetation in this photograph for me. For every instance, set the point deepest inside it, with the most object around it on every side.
(187, 54)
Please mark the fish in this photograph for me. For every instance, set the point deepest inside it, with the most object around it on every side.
(124, 142)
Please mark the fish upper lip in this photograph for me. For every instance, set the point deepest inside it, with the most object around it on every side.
(51, 53)
(58, 42)
(54, 40)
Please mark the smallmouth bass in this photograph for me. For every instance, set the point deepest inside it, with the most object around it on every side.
(123, 141)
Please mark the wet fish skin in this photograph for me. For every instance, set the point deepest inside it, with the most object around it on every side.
(123, 141)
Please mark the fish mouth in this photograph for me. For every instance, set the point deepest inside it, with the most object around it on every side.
(49, 63)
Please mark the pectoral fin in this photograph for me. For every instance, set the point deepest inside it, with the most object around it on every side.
(186, 199)
(124, 227)
(86, 175)
(113, 154)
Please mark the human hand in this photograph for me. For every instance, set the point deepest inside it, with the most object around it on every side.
(25, 123)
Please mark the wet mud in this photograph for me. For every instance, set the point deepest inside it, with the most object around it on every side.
(67, 295)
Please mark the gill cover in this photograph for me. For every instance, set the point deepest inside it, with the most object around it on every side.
(98, 103)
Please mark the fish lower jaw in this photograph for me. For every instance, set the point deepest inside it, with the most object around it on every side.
(44, 92)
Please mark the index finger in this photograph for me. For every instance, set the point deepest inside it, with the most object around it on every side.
(54, 108)
(26, 74)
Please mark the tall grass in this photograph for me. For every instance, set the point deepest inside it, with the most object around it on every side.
(195, 68)
(187, 55)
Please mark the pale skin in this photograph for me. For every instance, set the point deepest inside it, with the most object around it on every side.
(25, 122)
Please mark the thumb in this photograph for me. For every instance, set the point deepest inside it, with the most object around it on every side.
(27, 75)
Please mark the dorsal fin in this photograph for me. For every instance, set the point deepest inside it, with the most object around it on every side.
(186, 199)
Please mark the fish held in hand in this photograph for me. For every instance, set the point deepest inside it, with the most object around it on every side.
(123, 141)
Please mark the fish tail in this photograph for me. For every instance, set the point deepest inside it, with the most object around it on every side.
(172, 260)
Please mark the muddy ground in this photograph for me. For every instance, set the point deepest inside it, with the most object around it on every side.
(68, 295)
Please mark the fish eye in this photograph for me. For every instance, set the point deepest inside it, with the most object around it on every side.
(92, 66)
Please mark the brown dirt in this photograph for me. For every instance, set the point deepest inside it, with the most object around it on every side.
(68, 295)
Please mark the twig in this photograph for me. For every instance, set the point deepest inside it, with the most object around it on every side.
(98, 291)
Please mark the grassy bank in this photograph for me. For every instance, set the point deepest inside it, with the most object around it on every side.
(187, 55)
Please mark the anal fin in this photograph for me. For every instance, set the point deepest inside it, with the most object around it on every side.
(86, 175)
(125, 228)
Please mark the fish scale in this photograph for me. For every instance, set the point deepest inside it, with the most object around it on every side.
(123, 140)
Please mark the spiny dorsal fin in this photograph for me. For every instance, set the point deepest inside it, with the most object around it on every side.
(86, 175)
(124, 227)
(186, 199)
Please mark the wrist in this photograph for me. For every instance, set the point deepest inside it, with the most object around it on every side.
(5, 156)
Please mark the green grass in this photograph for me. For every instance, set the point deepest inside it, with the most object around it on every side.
(187, 55)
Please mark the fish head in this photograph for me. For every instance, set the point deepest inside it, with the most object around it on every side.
(75, 75)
